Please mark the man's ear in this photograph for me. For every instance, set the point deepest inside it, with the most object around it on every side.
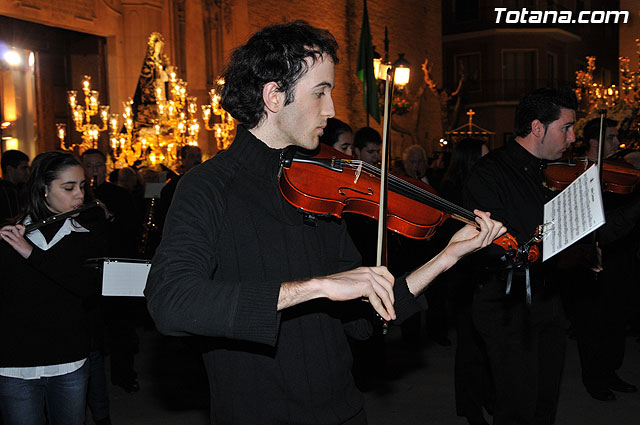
(537, 128)
(272, 96)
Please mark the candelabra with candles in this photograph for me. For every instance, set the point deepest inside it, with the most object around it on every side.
(82, 116)
(125, 148)
(175, 126)
(630, 80)
(177, 123)
(223, 130)
(621, 103)
(596, 95)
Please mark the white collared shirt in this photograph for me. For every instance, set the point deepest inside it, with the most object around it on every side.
(37, 372)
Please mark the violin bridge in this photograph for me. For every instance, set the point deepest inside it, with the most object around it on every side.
(358, 171)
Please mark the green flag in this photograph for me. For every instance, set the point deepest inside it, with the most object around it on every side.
(364, 70)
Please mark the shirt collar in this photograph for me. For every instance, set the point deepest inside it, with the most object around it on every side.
(38, 239)
(522, 156)
(254, 154)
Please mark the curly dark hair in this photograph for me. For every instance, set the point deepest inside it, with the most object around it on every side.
(543, 105)
(279, 53)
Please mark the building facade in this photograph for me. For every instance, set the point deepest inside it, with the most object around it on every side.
(107, 40)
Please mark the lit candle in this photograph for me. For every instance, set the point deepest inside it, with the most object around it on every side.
(86, 84)
(72, 94)
(61, 130)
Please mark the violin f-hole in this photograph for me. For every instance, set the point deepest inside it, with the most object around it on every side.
(369, 191)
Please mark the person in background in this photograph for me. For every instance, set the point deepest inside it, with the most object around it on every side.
(15, 173)
(366, 145)
(472, 375)
(338, 135)
(437, 167)
(44, 320)
(600, 306)
(414, 163)
(190, 156)
(120, 312)
(128, 178)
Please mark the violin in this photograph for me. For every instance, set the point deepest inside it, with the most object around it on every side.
(330, 183)
(617, 176)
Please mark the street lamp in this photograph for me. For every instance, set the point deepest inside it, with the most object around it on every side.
(402, 71)
(400, 68)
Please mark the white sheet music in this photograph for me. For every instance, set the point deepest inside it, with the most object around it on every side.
(573, 214)
(124, 279)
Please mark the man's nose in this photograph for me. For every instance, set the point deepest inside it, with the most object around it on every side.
(329, 109)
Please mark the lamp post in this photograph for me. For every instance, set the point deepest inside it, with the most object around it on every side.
(402, 72)
(400, 69)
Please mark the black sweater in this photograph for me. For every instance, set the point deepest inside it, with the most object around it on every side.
(43, 314)
(229, 242)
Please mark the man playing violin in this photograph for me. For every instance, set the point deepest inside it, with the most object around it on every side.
(276, 290)
(611, 143)
(600, 307)
(524, 342)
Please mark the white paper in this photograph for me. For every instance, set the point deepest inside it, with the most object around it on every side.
(152, 190)
(573, 214)
(124, 278)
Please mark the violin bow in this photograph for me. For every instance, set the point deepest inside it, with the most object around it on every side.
(603, 113)
(382, 254)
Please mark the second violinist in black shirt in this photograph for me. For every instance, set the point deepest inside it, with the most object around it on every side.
(525, 344)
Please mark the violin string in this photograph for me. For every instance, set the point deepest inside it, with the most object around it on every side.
(418, 193)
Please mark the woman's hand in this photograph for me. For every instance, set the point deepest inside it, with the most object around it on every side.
(469, 239)
(14, 236)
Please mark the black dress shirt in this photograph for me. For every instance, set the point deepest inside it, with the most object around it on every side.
(508, 183)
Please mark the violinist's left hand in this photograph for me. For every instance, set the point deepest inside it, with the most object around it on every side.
(469, 239)
(465, 241)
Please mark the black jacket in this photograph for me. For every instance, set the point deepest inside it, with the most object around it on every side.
(229, 241)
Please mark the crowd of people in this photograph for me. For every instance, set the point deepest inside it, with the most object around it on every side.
(58, 327)
(278, 293)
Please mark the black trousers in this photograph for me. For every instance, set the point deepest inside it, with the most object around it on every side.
(472, 375)
(599, 310)
(526, 347)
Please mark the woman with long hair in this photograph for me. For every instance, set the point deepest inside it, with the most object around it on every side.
(44, 324)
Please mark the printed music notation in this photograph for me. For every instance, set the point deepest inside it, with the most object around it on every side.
(573, 213)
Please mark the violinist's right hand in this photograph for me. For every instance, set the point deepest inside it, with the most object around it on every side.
(374, 284)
